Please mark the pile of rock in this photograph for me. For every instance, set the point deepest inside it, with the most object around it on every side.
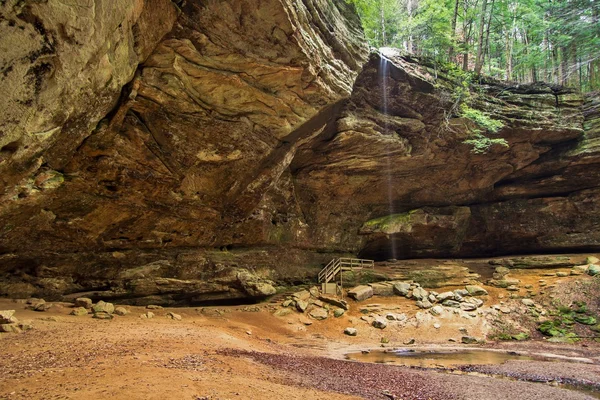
(464, 299)
(316, 305)
(10, 324)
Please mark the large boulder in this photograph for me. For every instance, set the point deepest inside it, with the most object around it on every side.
(360, 293)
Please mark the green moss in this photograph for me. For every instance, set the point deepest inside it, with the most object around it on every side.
(391, 223)
(520, 336)
(585, 319)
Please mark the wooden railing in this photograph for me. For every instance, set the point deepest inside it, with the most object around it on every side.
(337, 265)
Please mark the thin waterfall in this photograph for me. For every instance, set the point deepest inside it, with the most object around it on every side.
(384, 75)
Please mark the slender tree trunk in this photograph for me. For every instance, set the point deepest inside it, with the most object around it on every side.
(479, 59)
(454, 19)
(564, 62)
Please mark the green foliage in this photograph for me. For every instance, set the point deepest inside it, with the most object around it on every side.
(483, 120)
(523, 40)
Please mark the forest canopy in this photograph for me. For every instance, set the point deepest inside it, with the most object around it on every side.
(556, 41)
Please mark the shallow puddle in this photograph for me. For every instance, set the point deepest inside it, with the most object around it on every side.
(437, 358)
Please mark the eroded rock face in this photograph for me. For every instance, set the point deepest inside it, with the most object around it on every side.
(195, 155)
(418, 190)
(153, 154)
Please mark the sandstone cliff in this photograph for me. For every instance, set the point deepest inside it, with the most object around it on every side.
(197, 151)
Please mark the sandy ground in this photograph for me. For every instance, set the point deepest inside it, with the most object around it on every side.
(239, 353)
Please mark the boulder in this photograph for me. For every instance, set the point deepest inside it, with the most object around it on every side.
(318, 313)
(83, 302)
(379, 323)
(41, 306)
(424, 304)
(593, 270)
(528, 302)
(468, 306)
(592, 260)
(301, 305)
(401, 288)
(153, 307)
(121, 311)
(103, 307)
(172, 315)
(360, 293)
(350, 331)
(436, 310)
(102, 315)
(335, 302)
(79, 311)
(6, 316)
(451, 303)
(10, 328)
(419, 293)
(338, 312)
(475, 290)
(302, 295)
(468, 340)
(445, 296)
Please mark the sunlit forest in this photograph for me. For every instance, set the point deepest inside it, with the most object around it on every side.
(556, 41)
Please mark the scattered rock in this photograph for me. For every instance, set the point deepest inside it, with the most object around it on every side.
(468, 340)
(121, 311)
(468, 306)
(512, 288)
(314, 291)
(436, 310)
(79, 311)
(445, 296)
(592, 260)
(41, 306)
(350, 331)
(6, 316)
(102, 306)
(437, 325)
(335, 302)
(419, 293)
(562, 274)
(361, 292)
(102, 315)
(25, 325)
(301, 295)
(282, 312)
(10, 328)
(83, 302)
(410, 341)
(593, 270)
(451, 303)
(301, 305)
(249, 333)
(288, 303)
(174, 316)
(424, 304)
(318, 314)
(528, 302)
(338, 312)
(379, 323)
(147, 315)
(475, 290)
(153, 307)
(401, 288)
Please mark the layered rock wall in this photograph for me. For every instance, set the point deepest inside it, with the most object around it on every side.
(197, 151)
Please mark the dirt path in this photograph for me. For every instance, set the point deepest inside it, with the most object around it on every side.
(219, 354)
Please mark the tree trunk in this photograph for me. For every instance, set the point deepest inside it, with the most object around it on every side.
(479, 59)
(454, 19)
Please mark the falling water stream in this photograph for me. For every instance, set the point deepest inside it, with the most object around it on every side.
(384, 76)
